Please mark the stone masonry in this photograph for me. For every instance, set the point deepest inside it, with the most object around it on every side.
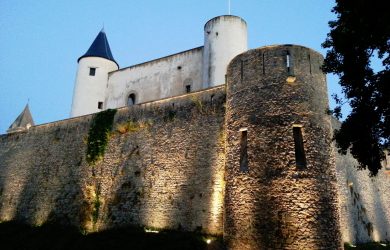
(276, 203)
(165, 173)
(251, 161)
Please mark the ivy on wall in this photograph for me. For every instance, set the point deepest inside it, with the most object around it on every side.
(96, 208)
(98, 135)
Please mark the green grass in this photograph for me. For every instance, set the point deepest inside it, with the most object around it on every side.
(14, 235)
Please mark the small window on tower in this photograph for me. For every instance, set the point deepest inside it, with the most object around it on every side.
(300, 157)
(131, 100)
(188, 88)
(244, 150)
(100, 105)
(288, 61)
(92, 71)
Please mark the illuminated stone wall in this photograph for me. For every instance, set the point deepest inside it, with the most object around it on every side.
(273, 201)
(167, 161)
(165, 170)
(364, 201)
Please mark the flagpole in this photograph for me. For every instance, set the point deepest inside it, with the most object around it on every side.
(229, 6)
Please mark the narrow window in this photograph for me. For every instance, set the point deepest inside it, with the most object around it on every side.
(263, 65)
(244, 150)
(288, 61)
(92, 71)
(131, 100)
(242, 70)
(308, 57)
(100, 105)
(212, 99)
(188, 88)
(300, 157)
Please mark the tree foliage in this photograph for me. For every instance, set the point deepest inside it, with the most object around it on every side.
(360, 35)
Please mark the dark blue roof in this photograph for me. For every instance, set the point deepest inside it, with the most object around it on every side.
(100, 48)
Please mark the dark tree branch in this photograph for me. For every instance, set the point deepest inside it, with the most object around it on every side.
(362, 28)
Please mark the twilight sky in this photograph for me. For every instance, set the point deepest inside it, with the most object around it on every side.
(40, 41)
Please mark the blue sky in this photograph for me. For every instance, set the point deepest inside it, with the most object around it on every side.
(42, 40)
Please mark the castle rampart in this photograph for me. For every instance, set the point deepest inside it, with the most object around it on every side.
(364, 201)
(163, 168)
(251, 159)
(281, 183)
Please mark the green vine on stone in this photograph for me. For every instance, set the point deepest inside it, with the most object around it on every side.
(96, 209)
(98, 135)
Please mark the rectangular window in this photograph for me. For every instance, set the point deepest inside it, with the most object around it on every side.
(188, 88)
(100, 105)
(242, 70)
(300, 157)
(244, 151)
(263, 65)
(92, 71)
(288, 61)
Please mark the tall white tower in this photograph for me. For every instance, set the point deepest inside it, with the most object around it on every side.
(92, 77)
(224, 38)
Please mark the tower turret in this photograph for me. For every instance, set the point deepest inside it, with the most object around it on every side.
(23, 122)
(280, 174)
(92, 77)
(224, 38)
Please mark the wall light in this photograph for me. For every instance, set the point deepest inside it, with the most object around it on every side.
(147, 230)
(291, 79)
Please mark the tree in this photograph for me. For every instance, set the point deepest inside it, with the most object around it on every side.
(360, 34)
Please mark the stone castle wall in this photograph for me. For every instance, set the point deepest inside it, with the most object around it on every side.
(165, 172)
(364, 201)
(273, 200)
(157, 79)
(167, 162)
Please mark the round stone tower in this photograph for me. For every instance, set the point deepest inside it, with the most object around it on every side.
(224, 38)
(280, 173)
(92, 77)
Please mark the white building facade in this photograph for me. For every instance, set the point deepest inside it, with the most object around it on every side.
(100, 83)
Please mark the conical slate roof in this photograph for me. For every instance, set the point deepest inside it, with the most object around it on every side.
(100, 48)
(22, 122)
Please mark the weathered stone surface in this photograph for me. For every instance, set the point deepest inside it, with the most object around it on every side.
(167, 162)
(364, 201)
(165, 173)
(277, 204)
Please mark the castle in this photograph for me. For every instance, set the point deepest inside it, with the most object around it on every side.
(219, 139)
(101, 84)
